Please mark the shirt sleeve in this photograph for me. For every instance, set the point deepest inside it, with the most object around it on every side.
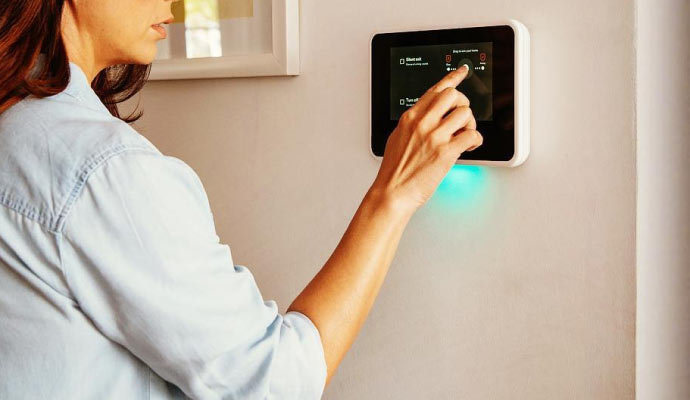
(142, 259)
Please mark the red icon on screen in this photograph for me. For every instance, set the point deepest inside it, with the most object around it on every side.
(447, 58)
(482, 57)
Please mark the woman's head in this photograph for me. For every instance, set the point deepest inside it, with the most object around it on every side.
(113, 31)
(113, 41)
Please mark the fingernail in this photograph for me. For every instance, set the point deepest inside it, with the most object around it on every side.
(465, 66)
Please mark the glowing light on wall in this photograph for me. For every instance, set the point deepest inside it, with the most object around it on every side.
(463, 185)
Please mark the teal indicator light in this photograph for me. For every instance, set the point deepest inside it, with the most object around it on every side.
(463, 185)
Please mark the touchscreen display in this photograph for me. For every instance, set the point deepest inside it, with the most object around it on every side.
(414, 69)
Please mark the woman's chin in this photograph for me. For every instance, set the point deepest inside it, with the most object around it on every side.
(144, 58)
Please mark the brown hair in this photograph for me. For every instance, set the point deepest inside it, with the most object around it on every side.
(29, 28)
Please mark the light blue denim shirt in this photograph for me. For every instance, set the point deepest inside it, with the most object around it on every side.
(113, 282)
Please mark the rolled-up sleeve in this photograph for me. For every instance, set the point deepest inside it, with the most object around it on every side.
(143, 261)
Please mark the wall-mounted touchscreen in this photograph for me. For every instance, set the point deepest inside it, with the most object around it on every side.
(414, 69)
(404, 65)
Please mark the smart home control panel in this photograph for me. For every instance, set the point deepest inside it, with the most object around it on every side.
(405, 64)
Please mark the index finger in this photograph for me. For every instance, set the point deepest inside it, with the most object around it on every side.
(452, 79)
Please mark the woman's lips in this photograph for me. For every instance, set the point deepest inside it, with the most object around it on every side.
(160, 30)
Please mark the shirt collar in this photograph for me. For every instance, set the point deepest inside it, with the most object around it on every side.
(80, 88)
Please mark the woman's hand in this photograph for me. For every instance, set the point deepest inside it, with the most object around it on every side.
(429, 138)
(419, 153)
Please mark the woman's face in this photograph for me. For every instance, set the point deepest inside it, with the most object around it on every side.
(122, 31)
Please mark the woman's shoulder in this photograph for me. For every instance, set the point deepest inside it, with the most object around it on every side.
(49, 145)
(64, 118)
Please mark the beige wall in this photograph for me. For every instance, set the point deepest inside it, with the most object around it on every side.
(522, 286)
(663, 219)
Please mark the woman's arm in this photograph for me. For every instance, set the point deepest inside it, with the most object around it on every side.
(424, 146)
(340, 296)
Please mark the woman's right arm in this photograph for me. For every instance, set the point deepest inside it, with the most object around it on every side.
(429, 138)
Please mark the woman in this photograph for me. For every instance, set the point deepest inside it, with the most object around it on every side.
(113, 282)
